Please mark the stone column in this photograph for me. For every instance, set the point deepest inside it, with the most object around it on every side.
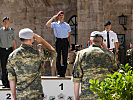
(132, 21)
(89, 19)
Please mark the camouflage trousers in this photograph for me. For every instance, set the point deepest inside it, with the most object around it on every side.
(30, 97)
(90, 97)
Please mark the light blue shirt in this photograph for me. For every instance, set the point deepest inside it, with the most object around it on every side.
(61, 29)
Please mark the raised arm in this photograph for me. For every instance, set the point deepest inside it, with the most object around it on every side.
(51, 54)
(39, 39)
(48, 24)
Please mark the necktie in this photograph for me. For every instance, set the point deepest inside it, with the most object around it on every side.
(108, 42)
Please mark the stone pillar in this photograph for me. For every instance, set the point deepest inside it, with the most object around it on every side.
(89, 19)
(132, 21)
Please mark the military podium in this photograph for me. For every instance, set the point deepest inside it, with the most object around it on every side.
(54, 88)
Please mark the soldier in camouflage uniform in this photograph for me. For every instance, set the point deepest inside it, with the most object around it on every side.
(24, 67)
(92, 63)
(129, 55)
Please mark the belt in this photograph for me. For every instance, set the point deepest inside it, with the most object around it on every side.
(5, 48)
(61, 38)
(110, 49)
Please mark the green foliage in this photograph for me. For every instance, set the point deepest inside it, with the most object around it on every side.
(117, 86)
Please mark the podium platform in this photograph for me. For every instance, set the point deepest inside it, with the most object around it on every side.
(54, 88)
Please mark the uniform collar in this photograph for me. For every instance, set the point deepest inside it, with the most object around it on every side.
(109, 31)
(95, 45)
(130, 49)
(26, 46)
(5, 28)
(60, 22)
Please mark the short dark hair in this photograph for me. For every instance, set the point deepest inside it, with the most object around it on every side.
(97, 35)
(21, 39)
(62, 13)
(96, 40)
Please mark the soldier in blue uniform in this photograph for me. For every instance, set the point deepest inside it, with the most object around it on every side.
(63, 41)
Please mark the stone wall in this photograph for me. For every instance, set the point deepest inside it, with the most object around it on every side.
(34, 14)
(91, 16)
(90, 19)
(113, 9)
(93, 13)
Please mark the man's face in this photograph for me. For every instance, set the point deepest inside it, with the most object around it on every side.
(108, 28)
(61, 16)
(6, 22)
(39, 47)
(131, 46)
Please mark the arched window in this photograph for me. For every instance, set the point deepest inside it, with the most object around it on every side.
(73, 24)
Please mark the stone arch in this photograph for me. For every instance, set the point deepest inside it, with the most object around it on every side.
(69, 13)
(73, 24)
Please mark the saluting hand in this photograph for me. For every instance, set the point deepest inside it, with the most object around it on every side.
(48, 24)
(38, 38)
(55, 16)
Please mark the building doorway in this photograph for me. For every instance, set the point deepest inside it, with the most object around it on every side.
(73, 24)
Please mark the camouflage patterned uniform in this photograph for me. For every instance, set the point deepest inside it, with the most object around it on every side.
(129, 57)
(24, 66)
(92, 63)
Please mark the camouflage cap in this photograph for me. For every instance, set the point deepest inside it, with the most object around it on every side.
(26, 33)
